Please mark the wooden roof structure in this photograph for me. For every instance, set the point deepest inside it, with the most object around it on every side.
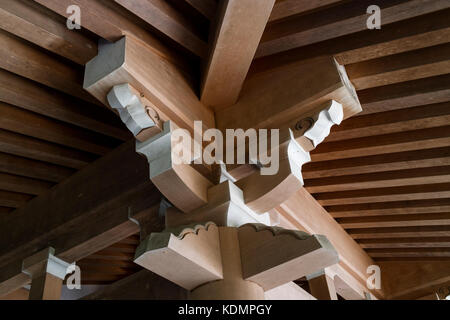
(383, 175)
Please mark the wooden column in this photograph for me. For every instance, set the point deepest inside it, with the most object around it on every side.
(322, 286)
(47, 274)
(232, 286)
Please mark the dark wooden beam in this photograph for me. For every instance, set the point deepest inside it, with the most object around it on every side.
(33, 169)
(162, 16)
(347, 18)
(36, 24)
(31, 124)
(390, 208)
(412, 34)
(23, 185)
(110, 22)
(86, 213)
(378, 163)
(28, 147)
(414, 192)
(405, 95)
(29, 95)
(143, 285)
(19, 57)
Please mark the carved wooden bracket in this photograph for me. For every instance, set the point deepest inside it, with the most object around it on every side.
(225, 207)
(188, 256)
(264, 263)
(180, 183)
(139, 117)
(233, 263)
(263, 193)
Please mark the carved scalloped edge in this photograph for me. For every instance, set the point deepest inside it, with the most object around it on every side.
(159, 240)
(131, 110)
(276, 231)
(183, 231)
(324, 120)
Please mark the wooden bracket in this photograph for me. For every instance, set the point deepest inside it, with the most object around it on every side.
(188, 256)
(138, 114)
(233, 263)
(180, 183)
(265, 192)
(163, 84)
(272, 256)
(225, 207)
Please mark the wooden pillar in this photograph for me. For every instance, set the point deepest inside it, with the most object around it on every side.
(232, 286)
(322, 286)
(47, 274)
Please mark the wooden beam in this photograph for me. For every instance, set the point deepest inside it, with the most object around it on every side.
(240, 26)
(5, 210)
(410, 220)
(19, 294)
(408, 66)
(347, 18)
(400, 232)
(13, 199)
(28, 147)
(286, 8)
(427, 158)
(381, 144)
(29, 95)
(303, 212)
(143, 285)
(33, 169)
(416, 33)
(391, 208)
(23, 185)
(422, 242)
(415, 192)
(110, 22)
(162, 16)
(47, 273)
(379, 180)
(405, 95)
(83, 215)
(40, 26)
(412, 280)
(31, 124)
(322, 287)
(162, 83)
(429, 116)
(37, 65)
(205, 7)
(409, 252)
(297, 90)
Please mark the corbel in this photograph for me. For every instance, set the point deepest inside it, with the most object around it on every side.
(188, 255)
(225, 207)
(265, 264)
(136, 112)
(177, 180)
(265, 192)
